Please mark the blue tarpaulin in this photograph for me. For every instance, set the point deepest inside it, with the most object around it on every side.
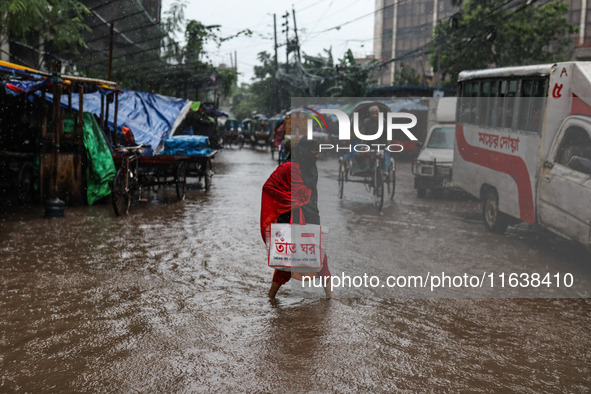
(151, 117)
(19, 87)
(191, 145)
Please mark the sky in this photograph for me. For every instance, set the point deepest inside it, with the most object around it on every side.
(317, 22)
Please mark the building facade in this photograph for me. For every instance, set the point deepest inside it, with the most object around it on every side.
(403, 28)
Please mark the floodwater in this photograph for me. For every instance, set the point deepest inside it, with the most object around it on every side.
(172, 298)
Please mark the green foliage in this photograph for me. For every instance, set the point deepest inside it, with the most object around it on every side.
(488, 34)
(58, 22)
(318, 76)
(352, 77)
(197, 34)
(227, 80)
(179, 70)
(406, 75)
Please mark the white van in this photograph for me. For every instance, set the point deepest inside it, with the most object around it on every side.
(433, 167)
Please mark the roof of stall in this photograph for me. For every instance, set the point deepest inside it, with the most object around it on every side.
(151, 117)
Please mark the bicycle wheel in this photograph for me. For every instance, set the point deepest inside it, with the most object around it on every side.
(341, 178)
(391, 182)
(119, 194)
(181, 180)
(378, 186)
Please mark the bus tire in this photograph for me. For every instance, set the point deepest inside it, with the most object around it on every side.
(494, 220)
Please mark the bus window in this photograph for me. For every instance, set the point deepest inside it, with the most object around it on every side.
(575, 142)
(508, 91)
(538, 102)
(464, 107)
(474, 102)
(531, 104)
(484, 103)
(525, 103)
(492, 103)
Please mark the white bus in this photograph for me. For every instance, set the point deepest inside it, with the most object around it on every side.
(523, 146)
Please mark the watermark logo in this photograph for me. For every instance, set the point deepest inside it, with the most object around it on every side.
(392, 122)
(315, 115)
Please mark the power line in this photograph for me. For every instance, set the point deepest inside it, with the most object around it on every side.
(310, 6)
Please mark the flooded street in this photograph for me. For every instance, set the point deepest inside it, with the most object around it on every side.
(172, 297)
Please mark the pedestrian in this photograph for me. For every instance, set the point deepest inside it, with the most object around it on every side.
(291, 187)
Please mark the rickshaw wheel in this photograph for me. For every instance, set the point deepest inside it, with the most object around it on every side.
(341, 178)
(378, 186)
(391, 182)
(119, 195)
(237, 142)
(206, 174)
(181, 180)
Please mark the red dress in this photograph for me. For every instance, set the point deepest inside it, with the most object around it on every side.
(285, 191)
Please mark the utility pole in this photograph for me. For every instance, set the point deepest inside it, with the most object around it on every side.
(110, 65)
(275, 35)
(275, 89)
(286, 24)
(295, 29)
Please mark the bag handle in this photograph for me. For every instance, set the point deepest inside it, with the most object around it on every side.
(302, 218)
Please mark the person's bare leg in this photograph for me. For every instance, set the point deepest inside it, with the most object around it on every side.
(328, 287)
(274, 288)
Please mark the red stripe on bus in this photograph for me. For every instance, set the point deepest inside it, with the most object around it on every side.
(579, 107)
(513, 166)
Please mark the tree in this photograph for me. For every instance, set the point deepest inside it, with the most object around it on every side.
(406, 75)
(353, 77)
(58, 22)
(318, 76)
(486, 33)
(179, 69)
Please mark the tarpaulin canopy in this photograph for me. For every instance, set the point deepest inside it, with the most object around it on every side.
(211, 110)
(19, 87)
(151, 117)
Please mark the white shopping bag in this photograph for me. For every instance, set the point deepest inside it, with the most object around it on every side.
(297, 248)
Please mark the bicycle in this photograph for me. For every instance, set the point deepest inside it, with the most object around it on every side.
(126, 180)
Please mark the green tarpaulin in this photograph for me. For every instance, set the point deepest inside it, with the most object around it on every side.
(100, 170)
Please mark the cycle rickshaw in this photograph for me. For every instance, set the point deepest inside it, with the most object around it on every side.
(171, 167)
(368, 164)
(260, 132)
(232, 135)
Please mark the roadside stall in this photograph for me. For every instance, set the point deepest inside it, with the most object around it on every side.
(147, 152)
(59, 152)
